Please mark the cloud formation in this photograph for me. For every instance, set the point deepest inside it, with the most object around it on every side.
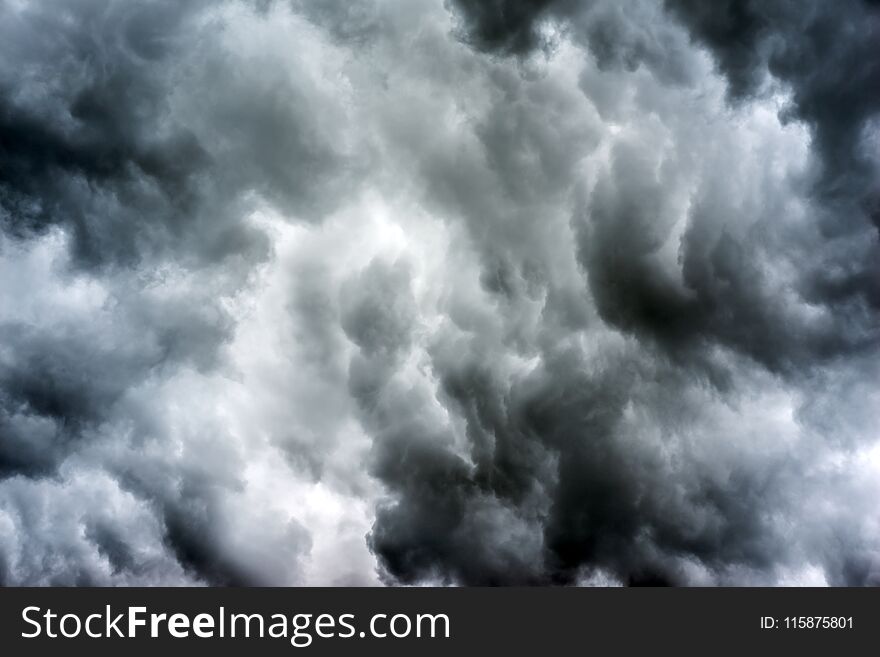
(453, 292)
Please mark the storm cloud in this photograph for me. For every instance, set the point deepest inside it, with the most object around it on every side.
(476, 293)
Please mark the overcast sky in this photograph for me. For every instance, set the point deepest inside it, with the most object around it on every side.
(299, 292)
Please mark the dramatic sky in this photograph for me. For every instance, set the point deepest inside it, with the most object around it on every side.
(472, 292)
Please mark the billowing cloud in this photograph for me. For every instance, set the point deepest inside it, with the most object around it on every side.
(438, 292)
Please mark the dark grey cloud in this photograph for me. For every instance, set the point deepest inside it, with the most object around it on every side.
(799, 47)
(453, 292)
(555, 451)
(115, 126)
(85, 144)
(504, 26)
(831, 87)
(119, 142)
